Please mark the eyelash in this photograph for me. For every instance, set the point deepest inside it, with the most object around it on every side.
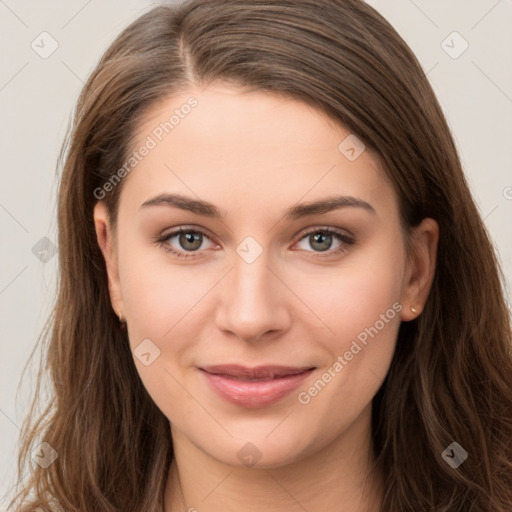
(343, 237)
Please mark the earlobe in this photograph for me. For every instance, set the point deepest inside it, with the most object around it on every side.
(106, 243)
(421, 268)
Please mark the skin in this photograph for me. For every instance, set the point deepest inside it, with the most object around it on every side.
(253, 155)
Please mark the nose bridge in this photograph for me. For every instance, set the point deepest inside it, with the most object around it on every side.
(252, 302)
(252, 281)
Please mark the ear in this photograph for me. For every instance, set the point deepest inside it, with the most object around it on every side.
(107, 245)
(420, 269)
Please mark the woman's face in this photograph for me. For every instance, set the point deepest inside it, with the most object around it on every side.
(265, 328)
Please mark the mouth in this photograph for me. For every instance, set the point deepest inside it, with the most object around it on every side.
(254, 387)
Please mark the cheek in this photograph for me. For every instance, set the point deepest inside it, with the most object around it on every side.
(162, 303)
(337, 313)
(337, 304)
(353, 296)
(360, 303)
(159, 297)
(352, 376)
(340, 300)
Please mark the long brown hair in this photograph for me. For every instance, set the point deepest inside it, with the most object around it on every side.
(450, 379)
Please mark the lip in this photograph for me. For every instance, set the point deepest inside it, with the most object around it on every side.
(255, 387)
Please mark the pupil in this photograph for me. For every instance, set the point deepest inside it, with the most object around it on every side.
(318, 237)
(191, 238)
(323, 240)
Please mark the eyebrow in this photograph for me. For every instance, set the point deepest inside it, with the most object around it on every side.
(207, 209)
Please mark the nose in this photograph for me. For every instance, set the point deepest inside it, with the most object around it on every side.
(253, 301)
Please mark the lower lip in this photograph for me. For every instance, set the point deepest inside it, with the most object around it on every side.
(253, 394)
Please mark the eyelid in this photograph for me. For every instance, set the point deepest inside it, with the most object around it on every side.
(326, 229)
(164, 238)
(346, 239)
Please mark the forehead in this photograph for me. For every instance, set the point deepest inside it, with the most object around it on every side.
(222, 143)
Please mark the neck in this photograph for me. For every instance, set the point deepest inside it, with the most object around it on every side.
(338, 477)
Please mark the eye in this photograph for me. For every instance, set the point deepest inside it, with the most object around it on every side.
(321, 240)
(188, 240)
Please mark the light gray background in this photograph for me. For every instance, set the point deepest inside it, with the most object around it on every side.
(37, 97)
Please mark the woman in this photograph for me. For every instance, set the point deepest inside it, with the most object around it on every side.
(276, 291)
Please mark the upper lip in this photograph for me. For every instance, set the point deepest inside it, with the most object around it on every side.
(258, 372)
